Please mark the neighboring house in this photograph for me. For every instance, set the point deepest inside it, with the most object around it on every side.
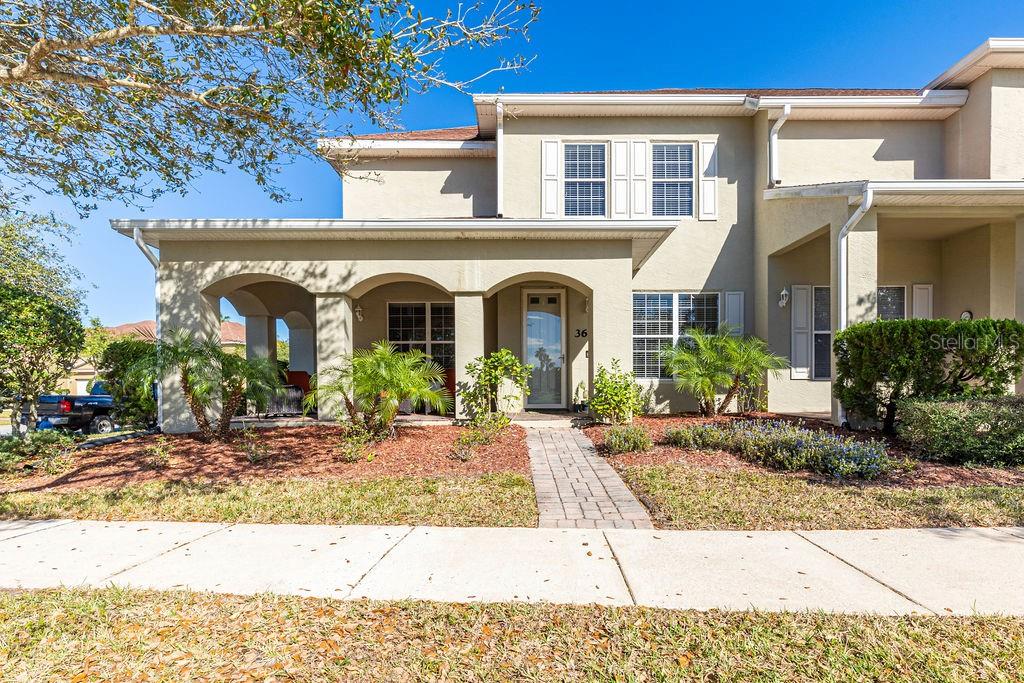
(232, 337)
(578, 228)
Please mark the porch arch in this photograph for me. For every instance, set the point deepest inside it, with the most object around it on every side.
(366, 285)
(540, 276)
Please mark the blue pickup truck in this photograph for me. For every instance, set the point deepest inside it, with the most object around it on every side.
(92, 413)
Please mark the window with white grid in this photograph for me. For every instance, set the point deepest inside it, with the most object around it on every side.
(408, 324)
(672, 179)
(661, 319)
(585, 179)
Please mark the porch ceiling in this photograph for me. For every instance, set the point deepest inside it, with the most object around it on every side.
(645, 235)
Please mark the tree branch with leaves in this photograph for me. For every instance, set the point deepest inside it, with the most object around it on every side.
(127, 99)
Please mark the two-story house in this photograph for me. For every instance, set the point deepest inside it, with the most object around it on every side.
(578, 228)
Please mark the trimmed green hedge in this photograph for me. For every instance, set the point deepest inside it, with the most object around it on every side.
(880, 364)
(979, 431)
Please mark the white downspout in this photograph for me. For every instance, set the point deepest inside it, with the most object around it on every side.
(775, 176)
(867, 199)
(499, 148)
(155, 262)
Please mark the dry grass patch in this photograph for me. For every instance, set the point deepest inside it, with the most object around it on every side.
(120, 635)
(685, 496)
(503, 499)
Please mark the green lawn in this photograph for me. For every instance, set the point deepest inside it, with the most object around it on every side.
(115, 634)
(689, 497)
(489, 500)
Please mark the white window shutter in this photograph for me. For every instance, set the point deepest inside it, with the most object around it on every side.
(734, 312)
(620, 179)
(801, 302)
(708, 197)
(639, 190)
(549, 179)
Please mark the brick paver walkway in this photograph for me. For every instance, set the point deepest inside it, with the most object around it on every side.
(575, 486)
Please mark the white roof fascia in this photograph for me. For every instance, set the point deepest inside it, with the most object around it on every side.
(974, 61)
(328, 146)
(858, 187)
(928, 98)
(727, 99)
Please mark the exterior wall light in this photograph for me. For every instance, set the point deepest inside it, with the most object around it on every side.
(359, 312)
(783, 297)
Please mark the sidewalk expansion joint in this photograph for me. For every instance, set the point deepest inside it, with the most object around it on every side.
(868, 574)
(169, 550)
(379, 560)
(618, 563)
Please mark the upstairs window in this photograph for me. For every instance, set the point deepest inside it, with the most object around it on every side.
(672, 179)
(585, 179)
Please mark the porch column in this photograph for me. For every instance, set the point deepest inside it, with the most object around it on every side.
(333, 344)
(260, 337)
(861, 277)
(1018, 251)
(183, 308)
(302, 350)
(611, 326)
(469, 340)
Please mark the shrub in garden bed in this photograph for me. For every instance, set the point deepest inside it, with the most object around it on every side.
(982, 431)
(788, 446)
(627, 439)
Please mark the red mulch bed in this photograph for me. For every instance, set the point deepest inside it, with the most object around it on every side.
(924, 473)
(294, 452)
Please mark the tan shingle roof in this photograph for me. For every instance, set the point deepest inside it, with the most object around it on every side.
(458, 134)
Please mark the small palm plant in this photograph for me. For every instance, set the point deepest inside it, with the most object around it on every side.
(372, 383)
(708, 365)
(207, 373)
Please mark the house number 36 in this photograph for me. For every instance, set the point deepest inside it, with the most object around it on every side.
(581, 332)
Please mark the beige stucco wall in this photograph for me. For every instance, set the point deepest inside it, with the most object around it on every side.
(827, 151)
(445, 187)
(1008, 123)
(968, 139)
(965, 273)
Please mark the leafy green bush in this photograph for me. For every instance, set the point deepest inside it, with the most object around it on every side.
(627, 439)
(158, 455)
(983, 431)
(881, 364)
(254, 446)
(133, 395)
(788, 446)
(617, 396)
(488, 374)
(705, 437)
(48, 449)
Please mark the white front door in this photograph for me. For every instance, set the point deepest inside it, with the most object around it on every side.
(544, 346)
(923, 295)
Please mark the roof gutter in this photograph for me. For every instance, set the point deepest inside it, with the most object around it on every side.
(499, 149)
(146, 251)
(775, 177)
(867, 199)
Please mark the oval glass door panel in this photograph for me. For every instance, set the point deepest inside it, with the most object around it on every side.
(544, 332)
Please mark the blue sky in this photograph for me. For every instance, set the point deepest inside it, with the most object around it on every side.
(594, 45)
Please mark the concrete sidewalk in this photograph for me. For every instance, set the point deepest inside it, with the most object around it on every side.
(936, 571)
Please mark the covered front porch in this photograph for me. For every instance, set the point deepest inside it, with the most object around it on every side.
(917, 249)
(558, 295)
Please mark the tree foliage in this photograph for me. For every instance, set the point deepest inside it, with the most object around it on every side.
(40, 339)
(97, 98)
(880, 364)
(29, 259)
(132, 394)
(373, 383)
(97, 338)
(708, 365)
(487, 376)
